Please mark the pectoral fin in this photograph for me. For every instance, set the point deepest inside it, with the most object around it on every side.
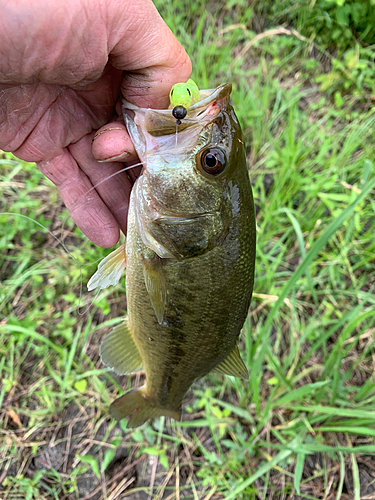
(109, 270)
(155, 284)
(119, 352)
(232, 365)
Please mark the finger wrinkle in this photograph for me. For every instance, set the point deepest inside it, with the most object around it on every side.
(64, 122)
(53, 55)
(74, 187)
(76, 191)
(59, 168)
(97, 226)
(75, 197)
(90, 214)
(114, 191)
(85, 205)
(150, 86)
(21, 109)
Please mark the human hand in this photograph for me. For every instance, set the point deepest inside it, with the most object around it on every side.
(63, 67)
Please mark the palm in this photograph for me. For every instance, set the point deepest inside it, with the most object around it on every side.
(51, 117)
(54, 126)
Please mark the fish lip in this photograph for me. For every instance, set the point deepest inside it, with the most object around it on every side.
(207, 97)
(160, 212)
(211, 95)
(185, 216)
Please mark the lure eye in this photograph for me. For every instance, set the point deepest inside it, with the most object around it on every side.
(179, 112)
(213, 161)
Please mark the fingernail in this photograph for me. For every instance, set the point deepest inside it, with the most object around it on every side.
(104, 130)
(123, 156)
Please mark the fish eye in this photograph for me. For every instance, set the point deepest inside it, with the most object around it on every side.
(213, 161)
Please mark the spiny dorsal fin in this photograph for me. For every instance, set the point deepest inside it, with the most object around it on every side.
(156, 285)
(232, 365)
(109, 270)
(119, 352)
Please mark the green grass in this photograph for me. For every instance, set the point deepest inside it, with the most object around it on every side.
(304, 423)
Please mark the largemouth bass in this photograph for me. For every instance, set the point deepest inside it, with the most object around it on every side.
(189, 255)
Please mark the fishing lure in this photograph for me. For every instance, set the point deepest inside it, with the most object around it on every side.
(182, 96)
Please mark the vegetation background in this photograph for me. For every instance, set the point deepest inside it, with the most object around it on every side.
(303, 426)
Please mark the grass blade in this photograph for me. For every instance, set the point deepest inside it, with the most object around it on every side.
(310, 256)
(263, 469)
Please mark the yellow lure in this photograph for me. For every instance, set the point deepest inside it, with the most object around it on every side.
(182, 96)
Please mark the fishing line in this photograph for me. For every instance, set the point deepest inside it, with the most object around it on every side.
(95, 186)
(176, 132)
(62, 227)
(110, 177)
(80, 265)
(60, 242)
(46, 229)
(91, 263)
(82, 313)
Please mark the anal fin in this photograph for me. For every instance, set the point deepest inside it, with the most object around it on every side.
(119, 352)
(232, 365)
(109, 270)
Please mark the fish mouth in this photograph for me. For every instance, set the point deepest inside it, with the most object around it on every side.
(154, 131)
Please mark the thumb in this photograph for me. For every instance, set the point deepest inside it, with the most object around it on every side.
(148, 53)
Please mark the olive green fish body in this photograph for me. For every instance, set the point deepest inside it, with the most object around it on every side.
(207, 303)
(190, 256)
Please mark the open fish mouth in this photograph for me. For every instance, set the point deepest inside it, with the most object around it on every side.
(154, 131)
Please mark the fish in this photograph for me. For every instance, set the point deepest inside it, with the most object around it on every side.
(189, 256)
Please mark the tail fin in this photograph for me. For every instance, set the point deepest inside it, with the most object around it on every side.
(135, 403)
